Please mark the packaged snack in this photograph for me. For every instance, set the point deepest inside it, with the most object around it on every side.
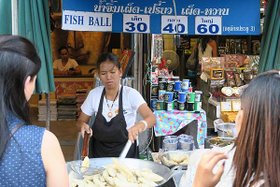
(229, 75)
(237, 79)
(248, 76)
(208, 63)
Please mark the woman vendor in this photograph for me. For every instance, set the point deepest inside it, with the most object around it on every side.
(115, 108)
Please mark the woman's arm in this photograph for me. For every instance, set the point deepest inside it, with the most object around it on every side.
(77, 70)
(149, 121)
(53, 160)
(57, 72)
(147, 115)
(82, 124)
(76, 66)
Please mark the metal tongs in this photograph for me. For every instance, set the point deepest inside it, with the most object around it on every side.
(85, 148)
(125, 149)
(77, 166)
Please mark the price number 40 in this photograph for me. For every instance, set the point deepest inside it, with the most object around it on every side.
(178, 28)
(208, 29)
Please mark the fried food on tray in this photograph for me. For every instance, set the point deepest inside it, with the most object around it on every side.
(174, 158)
(220, 142)
(119, 175)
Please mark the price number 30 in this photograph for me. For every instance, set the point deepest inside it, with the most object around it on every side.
(136, 27)
(134, 23)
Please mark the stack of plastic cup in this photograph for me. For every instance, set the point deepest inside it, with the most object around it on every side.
(197, 104)
(185, 142)
(181, 100)
(170, 143)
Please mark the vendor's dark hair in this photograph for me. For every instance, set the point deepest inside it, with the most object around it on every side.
(257, 145)
(61, 48)
(18, 60)
(203, 42)
(105, 57)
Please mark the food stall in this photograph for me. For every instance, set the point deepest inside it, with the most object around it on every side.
(174, 19)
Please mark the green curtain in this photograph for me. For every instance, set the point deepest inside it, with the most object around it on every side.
(34, 24)
(5, 17)
(270, 45)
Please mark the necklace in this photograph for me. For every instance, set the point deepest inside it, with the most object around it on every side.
(110, 113)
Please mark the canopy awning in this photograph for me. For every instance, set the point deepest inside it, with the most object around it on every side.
(34, 24)
(270, 45)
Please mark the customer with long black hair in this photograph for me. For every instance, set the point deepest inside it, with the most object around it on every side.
(256, 159)
(29, 155)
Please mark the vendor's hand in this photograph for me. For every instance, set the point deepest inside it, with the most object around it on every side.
(63, 73)
(86, 128)
(204, 176)
(71, 72)
(134, 131)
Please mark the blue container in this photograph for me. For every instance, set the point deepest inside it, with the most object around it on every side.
(168, 97)
(182, 97)
(185, 84)
(177, 86)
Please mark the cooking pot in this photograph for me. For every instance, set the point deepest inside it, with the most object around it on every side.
(132, 163)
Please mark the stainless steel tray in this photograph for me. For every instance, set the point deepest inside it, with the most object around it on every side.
(132, 163)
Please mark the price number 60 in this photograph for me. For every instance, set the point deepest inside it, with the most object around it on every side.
(208, 29)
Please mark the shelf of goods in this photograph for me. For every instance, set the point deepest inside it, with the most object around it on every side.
(222, 81)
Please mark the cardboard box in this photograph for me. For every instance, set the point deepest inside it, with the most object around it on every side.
(226, 106)
(228, 116)
(236, 105)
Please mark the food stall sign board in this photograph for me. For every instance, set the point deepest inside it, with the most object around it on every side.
(192, 17)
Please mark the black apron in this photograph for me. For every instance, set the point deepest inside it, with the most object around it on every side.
(109, 138)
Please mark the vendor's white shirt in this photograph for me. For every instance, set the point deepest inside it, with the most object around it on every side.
(228, 175)
(132, 100)
(57, 64)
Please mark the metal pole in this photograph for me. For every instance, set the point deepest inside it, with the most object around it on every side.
(138, 61)
(135, 59)
(14, 6)
(48, 111)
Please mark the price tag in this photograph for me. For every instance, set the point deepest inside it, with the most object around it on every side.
(174, 25)
(135, 23)
(208, 25)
